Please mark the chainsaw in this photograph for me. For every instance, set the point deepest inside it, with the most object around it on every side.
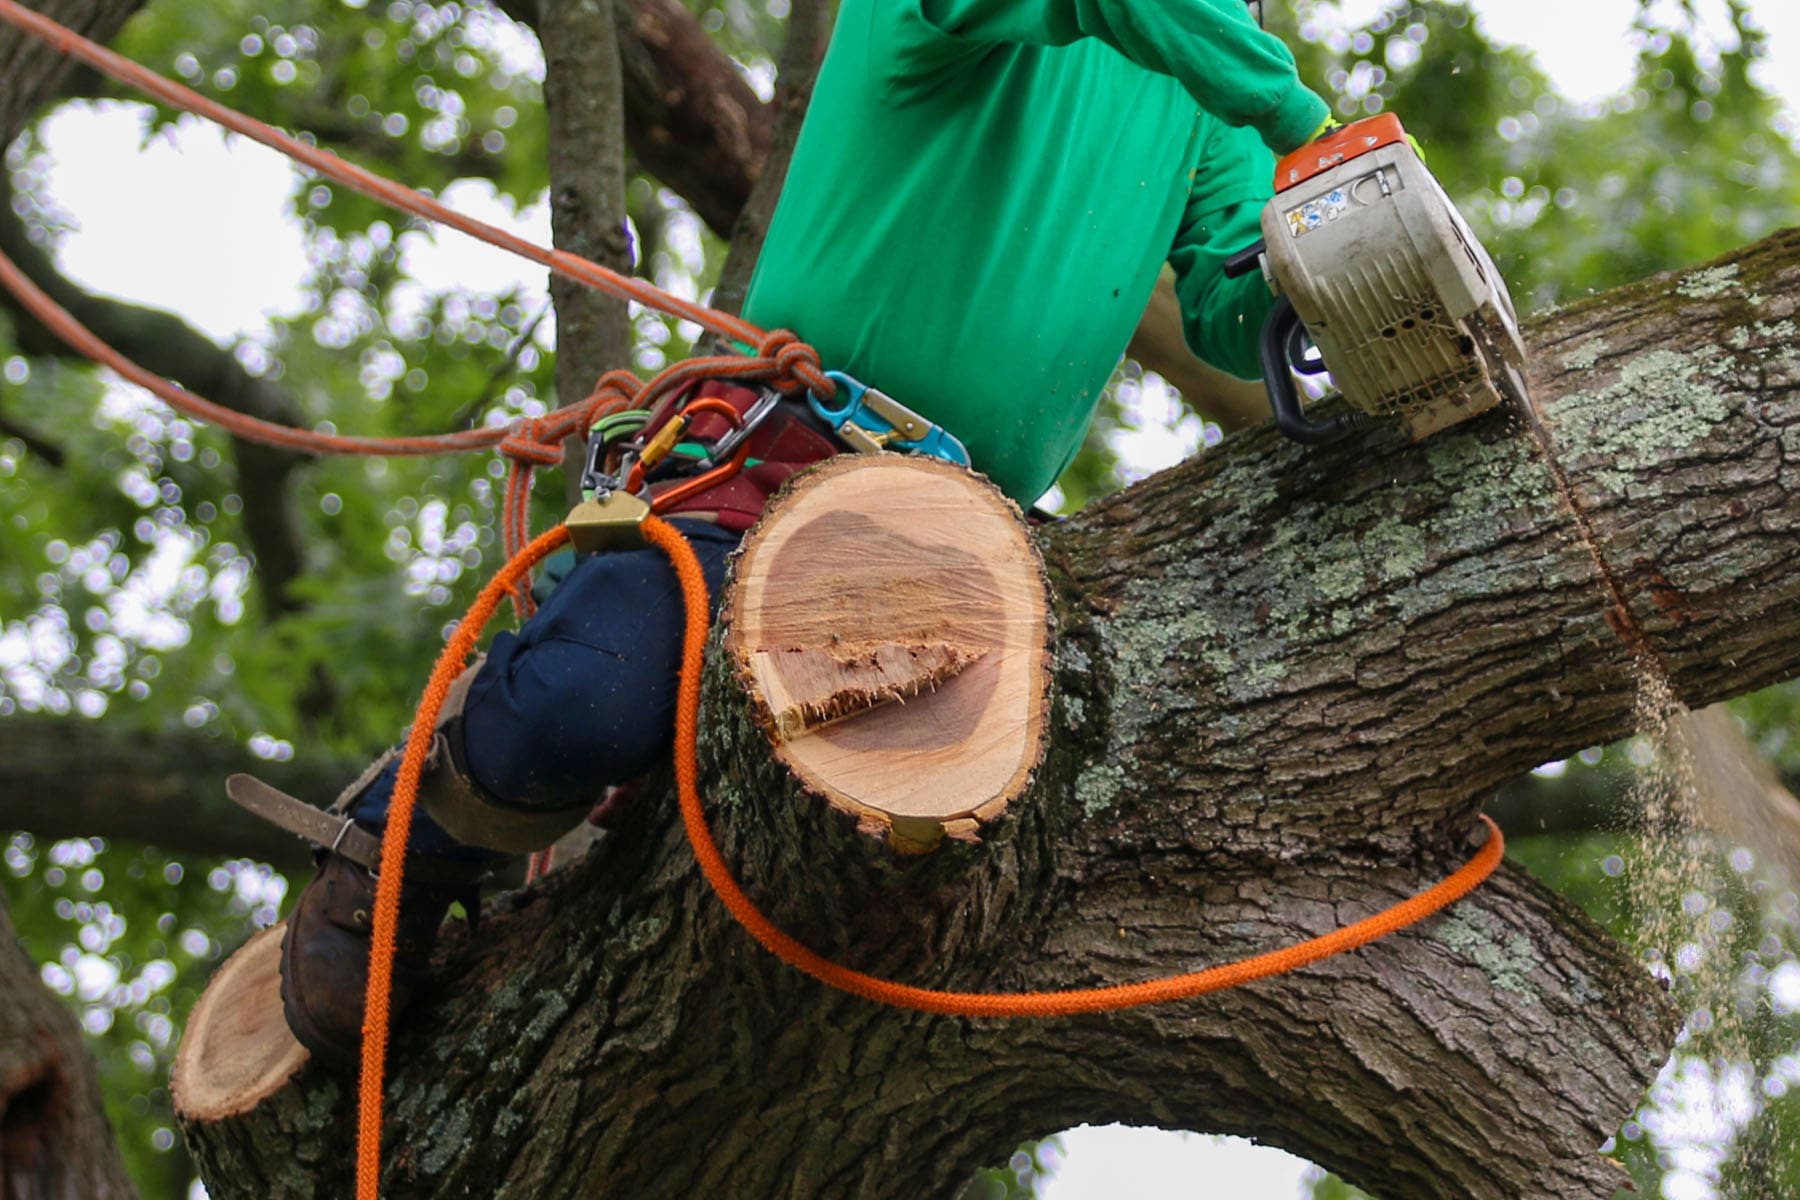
(1374, 267)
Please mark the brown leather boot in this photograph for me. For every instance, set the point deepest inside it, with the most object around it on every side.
(325, 954)
(325, 951)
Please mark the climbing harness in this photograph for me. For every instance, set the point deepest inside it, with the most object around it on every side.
(729, 447)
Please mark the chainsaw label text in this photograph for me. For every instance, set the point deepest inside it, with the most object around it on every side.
(1318, 211)
(1328, 206)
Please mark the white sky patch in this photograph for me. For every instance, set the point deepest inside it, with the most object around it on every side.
(1158, 431)
(442, 260)
(193, 221)
(1784, 987)
(1117, 1160)
(1586, 48)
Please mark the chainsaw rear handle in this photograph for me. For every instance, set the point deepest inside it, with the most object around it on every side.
(1282, 352)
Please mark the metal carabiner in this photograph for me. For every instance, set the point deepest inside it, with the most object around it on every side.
(850, 392)
(871, 420)
(754, 416)
(593, 477)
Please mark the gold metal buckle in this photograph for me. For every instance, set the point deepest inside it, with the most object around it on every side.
(862, 440)
(613, 521)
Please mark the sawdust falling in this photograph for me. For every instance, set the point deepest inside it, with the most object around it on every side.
(1686, 888)
(1685, 884)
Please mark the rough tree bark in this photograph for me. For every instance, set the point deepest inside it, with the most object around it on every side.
(1286, 676)
(32, 71)
(54, 1140)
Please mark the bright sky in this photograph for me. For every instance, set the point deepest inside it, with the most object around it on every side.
(224, 255)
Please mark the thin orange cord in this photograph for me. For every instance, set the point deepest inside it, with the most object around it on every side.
(794, 362)
(669, 540)
(985, 1004)
(450, 664)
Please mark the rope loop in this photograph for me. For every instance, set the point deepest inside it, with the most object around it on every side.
(535, 441)
(614, 391)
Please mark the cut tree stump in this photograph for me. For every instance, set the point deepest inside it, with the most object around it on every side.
(237, 1049)
(889, 618)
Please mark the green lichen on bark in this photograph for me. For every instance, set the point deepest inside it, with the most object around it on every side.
(1585, 356)
(1097, 788)
(1662, 400)
(1707, 282)
(1508, 960)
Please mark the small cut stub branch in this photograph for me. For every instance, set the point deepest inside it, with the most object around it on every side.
(889, 618)
(237, 1050)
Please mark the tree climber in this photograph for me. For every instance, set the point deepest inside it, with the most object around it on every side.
(979, 203)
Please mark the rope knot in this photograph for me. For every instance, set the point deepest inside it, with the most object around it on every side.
(535, 441)
(613, 392)
(796, 363)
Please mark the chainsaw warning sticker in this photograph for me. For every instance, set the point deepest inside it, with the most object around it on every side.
(1318, 211)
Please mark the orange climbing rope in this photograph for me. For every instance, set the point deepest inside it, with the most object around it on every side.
(669, 540)
(398, 195)
(393, 852)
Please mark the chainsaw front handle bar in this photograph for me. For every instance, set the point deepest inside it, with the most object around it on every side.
(1281, 352)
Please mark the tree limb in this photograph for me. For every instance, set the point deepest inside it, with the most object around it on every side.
(33, 71)
(55, 1140)
(33, 441)
(63, 777)
(587, 198)
(1286, 678)
(692, 120)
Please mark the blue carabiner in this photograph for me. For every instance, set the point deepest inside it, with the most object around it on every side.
(870, 419)
(850, 392)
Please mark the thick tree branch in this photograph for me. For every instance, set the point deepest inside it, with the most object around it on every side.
(587, 197)
(62, 777)
(33, 441)
(692, 120)
(1286, 678)
(33, 71)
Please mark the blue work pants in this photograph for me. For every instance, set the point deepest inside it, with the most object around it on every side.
(582, 696)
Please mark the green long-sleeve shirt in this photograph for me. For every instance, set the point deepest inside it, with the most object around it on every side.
(984, 191)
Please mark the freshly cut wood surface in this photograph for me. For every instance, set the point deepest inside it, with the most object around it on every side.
(889, 618)
(237, 1048)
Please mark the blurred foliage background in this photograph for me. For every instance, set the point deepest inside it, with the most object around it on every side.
(126, 564)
